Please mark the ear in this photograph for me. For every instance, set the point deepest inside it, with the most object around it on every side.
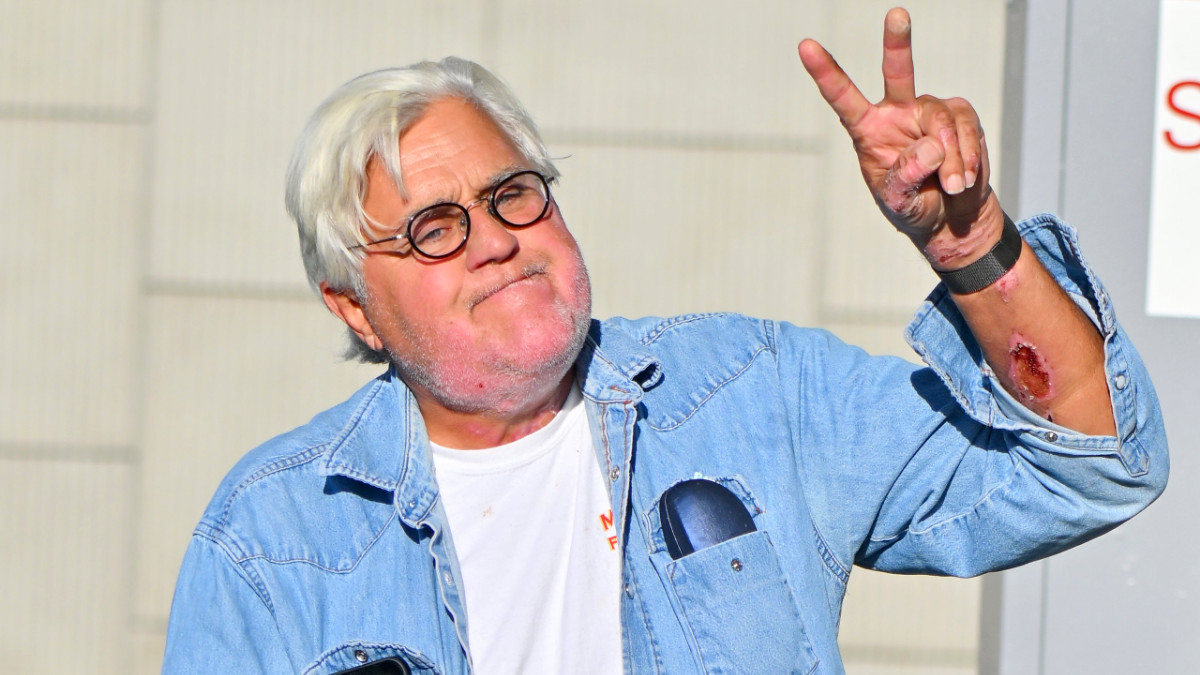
(346, 307)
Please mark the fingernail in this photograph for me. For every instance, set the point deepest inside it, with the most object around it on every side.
(929, 156)
(954, 184)
(970, 175)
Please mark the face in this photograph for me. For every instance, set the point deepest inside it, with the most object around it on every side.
(500, 322)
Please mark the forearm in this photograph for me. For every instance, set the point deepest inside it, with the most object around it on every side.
(1043, 349)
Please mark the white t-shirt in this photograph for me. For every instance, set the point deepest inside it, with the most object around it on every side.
(533, 527)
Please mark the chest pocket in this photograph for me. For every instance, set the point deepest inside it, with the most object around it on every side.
(346, 658)
(735, 600)
(740, 609)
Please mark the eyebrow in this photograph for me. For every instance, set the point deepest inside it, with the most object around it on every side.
(497, 177)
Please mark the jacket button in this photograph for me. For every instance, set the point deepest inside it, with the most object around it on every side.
(1120, 381)
(360, 656)
(615, 473)
(736, 565)
(1051, 436)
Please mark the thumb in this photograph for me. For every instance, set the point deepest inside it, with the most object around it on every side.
(912, 167)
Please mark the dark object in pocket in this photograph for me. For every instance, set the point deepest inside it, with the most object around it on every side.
(699, 513)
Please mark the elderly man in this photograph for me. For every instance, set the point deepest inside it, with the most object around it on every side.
(528, 490)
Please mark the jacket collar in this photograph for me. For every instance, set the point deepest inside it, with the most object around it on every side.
(613, 366)
(384, 444)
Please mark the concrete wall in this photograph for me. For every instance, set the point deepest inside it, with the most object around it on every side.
(156, 319)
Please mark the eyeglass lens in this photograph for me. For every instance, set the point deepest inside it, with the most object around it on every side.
(440, 230)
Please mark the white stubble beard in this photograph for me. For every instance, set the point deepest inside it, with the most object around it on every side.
(496, 383)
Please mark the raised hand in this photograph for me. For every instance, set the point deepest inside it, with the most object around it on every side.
(923, 158)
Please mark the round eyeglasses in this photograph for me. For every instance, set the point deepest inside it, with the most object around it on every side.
(441, 230)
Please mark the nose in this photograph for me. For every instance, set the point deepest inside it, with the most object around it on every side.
(490, 241)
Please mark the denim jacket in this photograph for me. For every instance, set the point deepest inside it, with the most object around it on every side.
(327, 547)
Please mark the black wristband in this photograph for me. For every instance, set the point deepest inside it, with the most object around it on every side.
(988, 269)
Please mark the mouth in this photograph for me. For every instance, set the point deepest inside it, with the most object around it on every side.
(529, 271)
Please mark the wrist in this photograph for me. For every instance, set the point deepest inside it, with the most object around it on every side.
(986, 269)
(954, 246)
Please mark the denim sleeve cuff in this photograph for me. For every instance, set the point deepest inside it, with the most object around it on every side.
(939, 334)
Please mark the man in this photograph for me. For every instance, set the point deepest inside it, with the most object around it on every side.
(515, 493)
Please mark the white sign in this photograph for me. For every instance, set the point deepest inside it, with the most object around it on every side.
(1173, 276)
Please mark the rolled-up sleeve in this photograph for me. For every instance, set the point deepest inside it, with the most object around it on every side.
(937, 469)
(1061, 487)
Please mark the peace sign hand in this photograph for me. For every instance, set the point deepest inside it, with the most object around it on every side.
(924, 159)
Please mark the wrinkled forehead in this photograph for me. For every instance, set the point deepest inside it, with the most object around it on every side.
(452, 152)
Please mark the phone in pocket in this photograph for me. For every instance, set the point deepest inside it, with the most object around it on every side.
(699, 513)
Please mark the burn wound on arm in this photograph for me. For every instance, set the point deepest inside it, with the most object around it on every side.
(1029, 373)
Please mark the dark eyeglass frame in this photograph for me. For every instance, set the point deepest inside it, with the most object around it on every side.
(489, 199)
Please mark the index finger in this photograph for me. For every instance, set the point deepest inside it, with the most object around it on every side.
(899, 83)
(835, 85)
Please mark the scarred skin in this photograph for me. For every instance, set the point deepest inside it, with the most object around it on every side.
(1006, 283)
(925, 161)
(1030, 372)
(1032, 375)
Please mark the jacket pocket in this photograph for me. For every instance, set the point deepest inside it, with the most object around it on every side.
(740, 610)
(356, 654)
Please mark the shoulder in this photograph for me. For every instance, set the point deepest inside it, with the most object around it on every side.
(274, 489)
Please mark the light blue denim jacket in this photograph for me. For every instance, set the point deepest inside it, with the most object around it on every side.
(327, 546)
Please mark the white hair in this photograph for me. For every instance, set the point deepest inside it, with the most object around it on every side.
(363, 120)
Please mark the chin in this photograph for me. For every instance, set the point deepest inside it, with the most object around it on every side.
(509, 371)
(501, 378)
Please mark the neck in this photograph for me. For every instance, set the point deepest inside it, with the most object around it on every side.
(475, 430)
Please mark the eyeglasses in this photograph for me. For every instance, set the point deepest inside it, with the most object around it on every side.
(441, 230)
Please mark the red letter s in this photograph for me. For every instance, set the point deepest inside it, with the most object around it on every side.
(1181, 112)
